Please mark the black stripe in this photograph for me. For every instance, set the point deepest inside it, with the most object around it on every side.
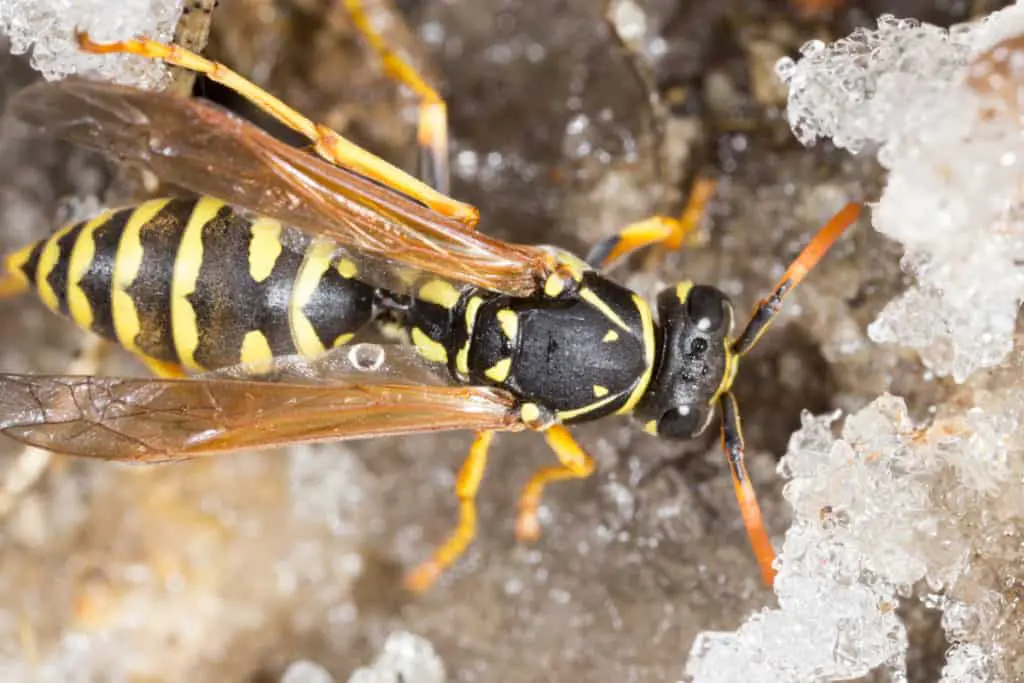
(97, 282)
(277, 290)
(31, 265)
(151, 290)
(338, 306)
(57, 278)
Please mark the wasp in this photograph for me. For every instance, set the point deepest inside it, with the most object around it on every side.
(247, 301)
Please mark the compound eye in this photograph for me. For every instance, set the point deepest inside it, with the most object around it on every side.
(706, 307)
(683, 422)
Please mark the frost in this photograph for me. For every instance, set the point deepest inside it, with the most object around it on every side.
(406, 658)
(47, 28)
(888, 505)
(941, 110)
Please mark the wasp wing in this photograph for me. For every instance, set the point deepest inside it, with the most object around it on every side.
(157, 420)
(206, 149)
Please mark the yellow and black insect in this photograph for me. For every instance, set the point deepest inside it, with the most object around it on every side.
(286, 256)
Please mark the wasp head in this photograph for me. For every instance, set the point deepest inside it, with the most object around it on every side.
(695, 363)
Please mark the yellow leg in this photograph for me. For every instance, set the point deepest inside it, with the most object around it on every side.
(668, 232)
(575, 464)
(432, 130)
(328, 144)
(466, 487)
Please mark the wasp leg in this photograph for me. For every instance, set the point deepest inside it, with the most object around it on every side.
(768, 307)
(750, 511)
(466, 487)
(31, 463)
(432, 129)
(575, 464)
(328, 144)
(669, 232)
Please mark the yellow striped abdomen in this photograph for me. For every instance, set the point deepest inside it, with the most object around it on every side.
(194, 283)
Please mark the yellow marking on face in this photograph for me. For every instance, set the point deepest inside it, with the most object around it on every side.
(499, 371)
(600, 391)
(126, 268)
(610, 336)
(187, 263)
(651, 427)
(255, 350)
(509, 323)
(683, 290)
(264, 248)
(440, 293)
(650, 350)
(347, 269)
(596, 405)
(529, 412)
(82, 255)
(48, 260)
(732, 365)
(343, 339)
(428, 348)
(597, 302)
(554, 286)
(315, 263)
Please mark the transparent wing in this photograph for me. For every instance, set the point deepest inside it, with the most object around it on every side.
(155, 420)
(199, 146)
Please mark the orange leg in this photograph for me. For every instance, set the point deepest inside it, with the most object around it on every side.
(466, 487)
(669, 232)
(328, 144)
(432, 130)
(805, 261)
(575, 464)
(732, 443)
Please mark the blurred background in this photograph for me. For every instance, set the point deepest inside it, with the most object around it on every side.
(233, 568)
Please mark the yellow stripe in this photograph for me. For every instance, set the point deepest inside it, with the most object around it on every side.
(126, 269)
(347, 269)
(509, 323)
(82, 255)
(499, 371)
(315, 263)
(440, 293)
(343, 339)
(256, 351)
(596, 405)
(14, 266)
(597, 302)
(264, 248)
(48, 260)
(427, 347)
(462, 357)
(683, 290)
(647, 326)
(187, 264)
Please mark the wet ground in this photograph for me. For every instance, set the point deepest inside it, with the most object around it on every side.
(227, 570)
